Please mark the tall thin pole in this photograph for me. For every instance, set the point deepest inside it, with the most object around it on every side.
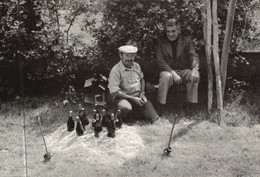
(225, 49)
(22, 93)
(216, 59)
(207, 33)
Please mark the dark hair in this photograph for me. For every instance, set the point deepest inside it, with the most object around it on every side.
(171, 22)
(131, 42)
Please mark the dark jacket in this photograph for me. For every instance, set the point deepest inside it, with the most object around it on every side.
(186, 56)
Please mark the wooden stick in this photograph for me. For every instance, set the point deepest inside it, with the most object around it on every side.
(216, 59)
(225, 48)
(207, 31)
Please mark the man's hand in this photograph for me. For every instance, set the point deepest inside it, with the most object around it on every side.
(138, 101)
(143, 97)
(195, 76)
(176, 78)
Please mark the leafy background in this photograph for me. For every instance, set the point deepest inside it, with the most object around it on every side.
(37, 43)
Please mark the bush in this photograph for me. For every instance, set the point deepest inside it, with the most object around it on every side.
(143, 21)
(34, 48)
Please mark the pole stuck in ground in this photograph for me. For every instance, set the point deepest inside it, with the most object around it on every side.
(168, 149)
(46, 156)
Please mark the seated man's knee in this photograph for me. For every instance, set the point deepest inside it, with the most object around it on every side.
(124, 105)
(125, 109)
(189, 71)
(187, 76)
(165, 76)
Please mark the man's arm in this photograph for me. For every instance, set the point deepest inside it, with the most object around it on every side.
(120, 94)
(163, 66)
(114, 81)
(115, 90)
(194, 57)
(142, 85)
(142, 94)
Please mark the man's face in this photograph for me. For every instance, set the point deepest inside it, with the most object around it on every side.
(127, 59)
(172, 32)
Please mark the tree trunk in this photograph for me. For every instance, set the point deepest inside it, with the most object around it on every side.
(21, 75)
(225, 49)
(19, 53)
(207, 33)
(216, 59)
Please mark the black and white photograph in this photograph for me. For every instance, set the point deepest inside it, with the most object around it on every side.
(136, 88)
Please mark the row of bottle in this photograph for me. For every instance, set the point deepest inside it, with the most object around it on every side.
(99, 120)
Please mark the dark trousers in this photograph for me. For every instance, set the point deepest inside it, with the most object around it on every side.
(129, 108)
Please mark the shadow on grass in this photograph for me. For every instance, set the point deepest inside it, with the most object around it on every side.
(74, 140)
(183, 131)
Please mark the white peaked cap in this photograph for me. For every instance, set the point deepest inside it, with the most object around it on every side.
(128, 49)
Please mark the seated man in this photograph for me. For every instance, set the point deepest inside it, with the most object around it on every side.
(178, 64)
(126, 85)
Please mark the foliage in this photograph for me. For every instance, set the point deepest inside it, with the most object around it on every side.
(35, 46)
(17, 39)
(33, 43)
(143, 21)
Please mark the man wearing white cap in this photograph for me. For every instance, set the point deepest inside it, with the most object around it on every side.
(127, 86)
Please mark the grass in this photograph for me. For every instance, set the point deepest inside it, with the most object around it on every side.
(200, 147)
(243, 109)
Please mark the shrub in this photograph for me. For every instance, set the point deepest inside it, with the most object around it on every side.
(143, 21)
(35, 49)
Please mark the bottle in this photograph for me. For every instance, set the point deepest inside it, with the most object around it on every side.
(104, 77)
(79, 127)
(70, 123)
(111, 126)
(94, 118)
(96, 107)
(97, 125)
(104, 118)
(83, 118)
(80, 106)
(119, 121)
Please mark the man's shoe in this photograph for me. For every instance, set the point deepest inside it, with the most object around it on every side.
(192, 109)
(155, 120)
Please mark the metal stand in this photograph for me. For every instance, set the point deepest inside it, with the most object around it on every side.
(168, 149)
(46, 156)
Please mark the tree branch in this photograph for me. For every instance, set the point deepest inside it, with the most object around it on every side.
(71, 22)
